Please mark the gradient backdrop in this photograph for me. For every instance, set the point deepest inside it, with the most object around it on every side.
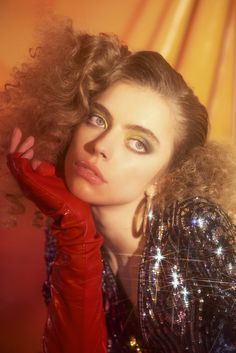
(198, 37)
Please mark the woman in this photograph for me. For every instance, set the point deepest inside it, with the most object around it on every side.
(128, 138)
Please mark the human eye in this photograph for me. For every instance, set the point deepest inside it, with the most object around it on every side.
(138, 145)
(97, 121)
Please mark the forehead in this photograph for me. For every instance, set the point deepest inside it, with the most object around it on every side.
(130, 103)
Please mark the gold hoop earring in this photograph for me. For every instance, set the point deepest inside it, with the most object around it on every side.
(148, 213)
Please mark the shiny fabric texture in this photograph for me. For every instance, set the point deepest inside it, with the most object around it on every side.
(75, 321)
(186, 285)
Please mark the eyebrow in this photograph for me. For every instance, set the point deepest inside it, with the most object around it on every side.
(127, 126)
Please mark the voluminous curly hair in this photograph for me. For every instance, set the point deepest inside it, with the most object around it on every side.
(51, 93)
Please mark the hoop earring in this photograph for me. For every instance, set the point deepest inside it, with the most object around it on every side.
(149, 209)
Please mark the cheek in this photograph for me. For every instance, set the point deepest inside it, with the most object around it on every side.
(74, 149)
(69, 171)
(134, 178)
(68, 160)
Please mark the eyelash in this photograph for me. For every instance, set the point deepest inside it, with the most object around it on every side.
(146, 146)
(96, 116)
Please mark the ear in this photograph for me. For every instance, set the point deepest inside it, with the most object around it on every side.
(154, 185)
(151, 190)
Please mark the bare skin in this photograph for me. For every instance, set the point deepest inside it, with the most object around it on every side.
(129, 136)
(127, 262)
(129, 143)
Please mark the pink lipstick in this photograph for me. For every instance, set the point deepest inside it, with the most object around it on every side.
(89, 172)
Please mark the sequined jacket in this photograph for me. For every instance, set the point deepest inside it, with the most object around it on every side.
(186, 285)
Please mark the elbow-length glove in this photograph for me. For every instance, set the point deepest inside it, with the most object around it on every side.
(76, 322)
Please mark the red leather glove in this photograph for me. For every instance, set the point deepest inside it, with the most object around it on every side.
(76, 322)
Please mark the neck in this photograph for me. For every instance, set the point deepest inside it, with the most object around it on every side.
(119, 226)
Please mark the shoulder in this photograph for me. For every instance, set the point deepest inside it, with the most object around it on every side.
(198, 226)
(189, 268)
(200, 216)
(199, 206)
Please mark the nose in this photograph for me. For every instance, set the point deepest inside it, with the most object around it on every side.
(105, 144)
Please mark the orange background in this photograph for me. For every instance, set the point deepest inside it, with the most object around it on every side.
(198, 37)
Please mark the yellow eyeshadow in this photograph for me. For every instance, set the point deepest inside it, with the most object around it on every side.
(141, 137)
(131, 134)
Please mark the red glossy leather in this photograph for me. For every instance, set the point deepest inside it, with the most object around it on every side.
(76, 322)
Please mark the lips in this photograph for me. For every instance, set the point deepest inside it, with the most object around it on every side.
(89, 172)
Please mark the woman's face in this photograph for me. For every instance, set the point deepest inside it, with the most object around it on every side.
(121, 146)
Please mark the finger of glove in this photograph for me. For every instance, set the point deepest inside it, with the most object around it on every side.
(35, 185)
(17, 163)
(45, 168)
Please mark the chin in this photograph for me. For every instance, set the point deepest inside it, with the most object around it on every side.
(95, 197)
(83, 191)
(81, 194)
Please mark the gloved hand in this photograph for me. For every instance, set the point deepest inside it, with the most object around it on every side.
(50, 194)
(75, 317)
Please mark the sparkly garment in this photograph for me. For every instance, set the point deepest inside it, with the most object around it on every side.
(186, 285)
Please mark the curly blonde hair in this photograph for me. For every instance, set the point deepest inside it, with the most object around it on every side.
(51, 93)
